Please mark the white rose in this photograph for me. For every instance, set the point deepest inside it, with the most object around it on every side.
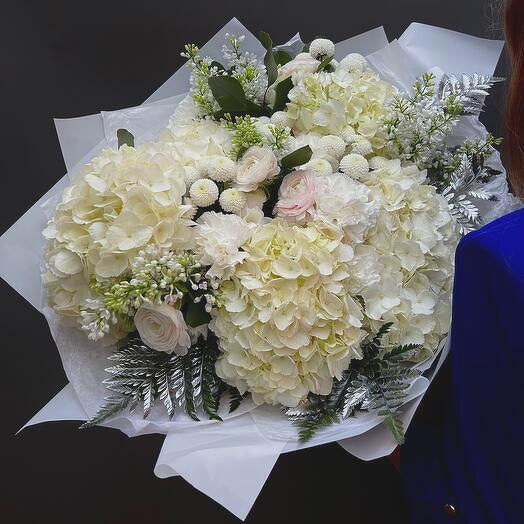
(162, 328)
(257, 165)
(302, 62)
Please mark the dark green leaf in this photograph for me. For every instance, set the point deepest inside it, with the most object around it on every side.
(269, 59)
(196, 314)
(265, 40)
(111, 407)
(325, 64)
(394, 423)
(281, 94)
(281, 57)
(235, 398)
(297, 158)
(229, 93)
(125, 137)
(218, 65)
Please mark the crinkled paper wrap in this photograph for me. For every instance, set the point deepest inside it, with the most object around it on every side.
(242, 450)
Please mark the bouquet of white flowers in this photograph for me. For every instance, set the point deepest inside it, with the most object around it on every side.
(286, 241)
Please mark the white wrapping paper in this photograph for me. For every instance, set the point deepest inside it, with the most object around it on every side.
(242, 450)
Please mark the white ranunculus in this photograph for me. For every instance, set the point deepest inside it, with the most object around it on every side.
(162, 328)
(302, 62)
(257, 164)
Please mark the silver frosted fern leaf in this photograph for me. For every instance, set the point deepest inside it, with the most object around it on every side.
(141, 376)
(379, 383)
(467, 184)
(469, 91)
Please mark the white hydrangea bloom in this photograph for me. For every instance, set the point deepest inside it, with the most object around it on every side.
(286, 324)
(118, 203)
(347, 204)
(192, 143)
(327, 103)
(404, 268)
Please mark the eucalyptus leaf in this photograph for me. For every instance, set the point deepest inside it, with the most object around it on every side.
(282, 90)
(125, 137)
(297, 158)
(229, 93)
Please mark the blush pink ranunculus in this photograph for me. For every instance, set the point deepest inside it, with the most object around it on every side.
(297, 194)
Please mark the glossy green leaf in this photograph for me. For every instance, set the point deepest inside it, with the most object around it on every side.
(125, 137)
(297, 158)
(281, 91)
(269, 59)
(281, 57)
(228, 93)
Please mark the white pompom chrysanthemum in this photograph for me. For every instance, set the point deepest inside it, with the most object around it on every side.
(320, 166)
(348, 134)
(321, 48)
(377, 162)
(220, 168)
(355, 166)
(203, 192)
(353, 62)
(332, 145)
(191, 175)
(280, 118)
(232, 200)
(361, 146)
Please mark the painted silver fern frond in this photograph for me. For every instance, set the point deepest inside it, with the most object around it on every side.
(468, 90)
(467, 184)
(141, 375)
(379, 382)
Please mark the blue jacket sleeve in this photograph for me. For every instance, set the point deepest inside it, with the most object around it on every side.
(471, 458)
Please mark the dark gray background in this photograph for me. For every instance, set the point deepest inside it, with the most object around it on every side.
(69, 58)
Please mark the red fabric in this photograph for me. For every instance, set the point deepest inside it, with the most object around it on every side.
(394, 458)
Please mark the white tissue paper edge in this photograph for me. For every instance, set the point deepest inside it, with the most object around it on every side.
(245, 447)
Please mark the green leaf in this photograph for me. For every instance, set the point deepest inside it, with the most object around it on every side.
(325, 64)
(196, 314)
(282, 90)
(235, 398)
(281, 57)
(297, 158)
(125, 137)
(229, 93)
(265, 40)
(218, 65)
(269, 58)
(111, 407)
(394, 424)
